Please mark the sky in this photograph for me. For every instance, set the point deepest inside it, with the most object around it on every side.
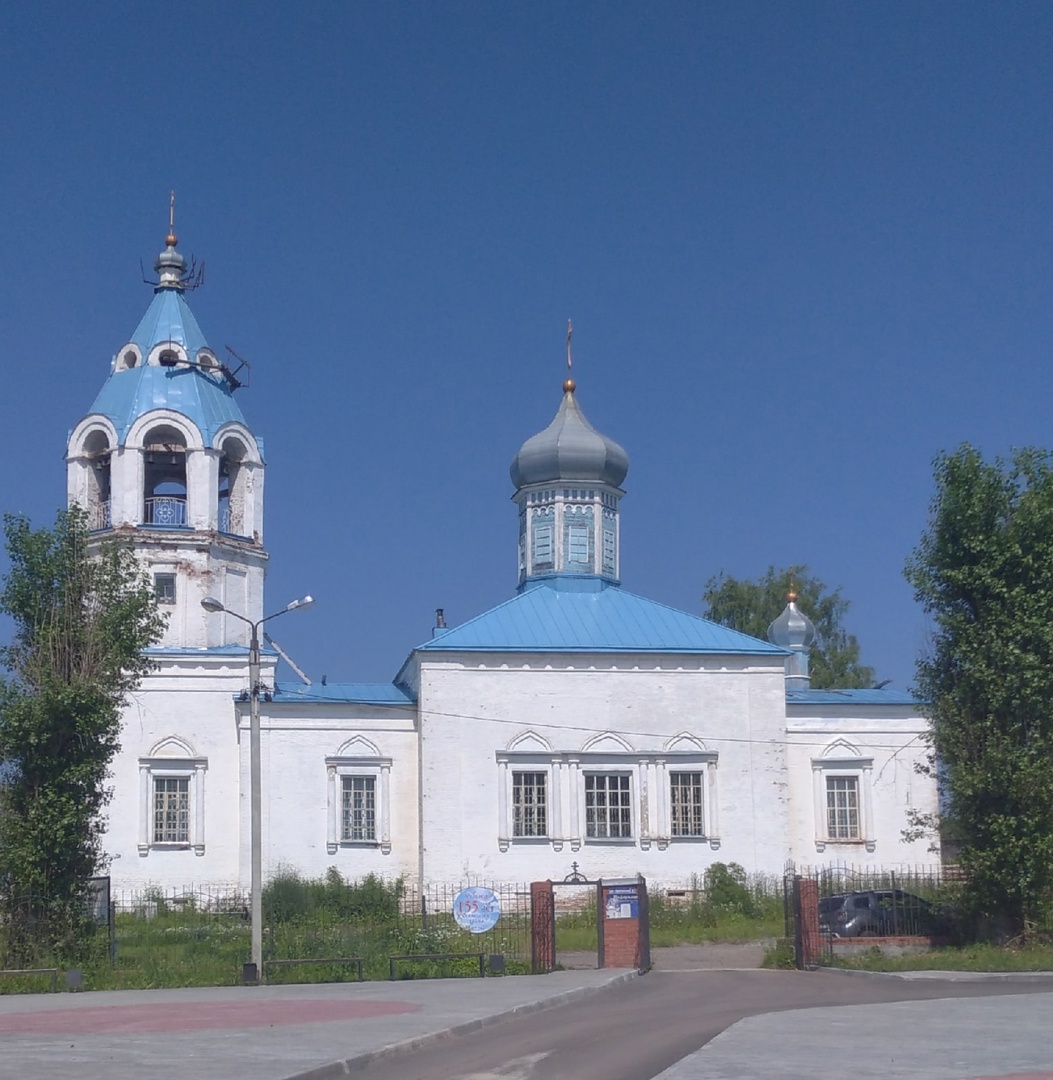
(806, 248)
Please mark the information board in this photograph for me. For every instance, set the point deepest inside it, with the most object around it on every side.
(623, 902)
(477, 909)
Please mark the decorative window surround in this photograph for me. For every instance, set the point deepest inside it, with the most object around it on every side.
(187, 768)
(379, 768)
(650, 794)
(862, 770)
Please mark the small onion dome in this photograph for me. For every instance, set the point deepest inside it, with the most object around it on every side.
(792, 629)
(570, 448)
(170, 265)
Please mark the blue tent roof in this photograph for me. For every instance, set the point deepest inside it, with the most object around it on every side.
(567, 613)
(203, 397)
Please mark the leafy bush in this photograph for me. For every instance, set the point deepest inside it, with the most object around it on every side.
(288, 896)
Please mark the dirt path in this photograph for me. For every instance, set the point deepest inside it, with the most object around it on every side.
(710, 956)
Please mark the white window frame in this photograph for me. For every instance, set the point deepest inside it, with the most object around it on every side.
(860, 769)
(608, 774)
(650, 794)
(348, 783)
(191, 769)
(367, 765)
(544, 787)
(689, 806)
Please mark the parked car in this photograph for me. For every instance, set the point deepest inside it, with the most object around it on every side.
(875, 913)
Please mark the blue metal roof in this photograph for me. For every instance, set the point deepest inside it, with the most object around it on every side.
(169, 318)
(204, 398)
(356, 693)
(883, 696)
(567, 613)
(230, 649)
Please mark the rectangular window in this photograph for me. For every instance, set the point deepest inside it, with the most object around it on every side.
(543, 555)
(529, 804)
(171, 810)
(685, 802)
(608, 814)
(164, 588)
(608, 551)
(359, 816)
(578, 544)
(842, 807)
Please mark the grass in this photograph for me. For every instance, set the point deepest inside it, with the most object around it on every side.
(955, 958)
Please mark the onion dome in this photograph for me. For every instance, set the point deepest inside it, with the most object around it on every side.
(570, 448)
(792, 629)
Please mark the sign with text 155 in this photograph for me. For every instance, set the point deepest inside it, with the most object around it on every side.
(476, 909)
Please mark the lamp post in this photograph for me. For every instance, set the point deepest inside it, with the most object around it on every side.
(210, 603)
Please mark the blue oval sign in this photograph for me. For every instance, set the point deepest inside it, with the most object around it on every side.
(477, 909)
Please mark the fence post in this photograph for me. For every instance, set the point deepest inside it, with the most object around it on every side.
(806, 916)
(542, 927)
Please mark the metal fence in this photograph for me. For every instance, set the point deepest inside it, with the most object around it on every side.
(338, 929)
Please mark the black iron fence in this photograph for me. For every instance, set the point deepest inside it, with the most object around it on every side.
(342, 930)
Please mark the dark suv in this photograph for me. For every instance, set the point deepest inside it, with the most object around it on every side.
(874, 913)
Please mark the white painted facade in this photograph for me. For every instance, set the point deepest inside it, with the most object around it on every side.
(438, 777)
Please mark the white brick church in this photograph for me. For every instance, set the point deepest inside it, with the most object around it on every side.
(576, 721)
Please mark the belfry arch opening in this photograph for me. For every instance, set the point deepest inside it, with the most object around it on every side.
(164, 478)
(233, 483)
(97, 493)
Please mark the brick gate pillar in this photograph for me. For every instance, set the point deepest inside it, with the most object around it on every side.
(809, 943)
(542, 927)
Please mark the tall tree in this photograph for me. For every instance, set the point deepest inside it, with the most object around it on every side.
(984, 573)
(82, 617)
(750, 606)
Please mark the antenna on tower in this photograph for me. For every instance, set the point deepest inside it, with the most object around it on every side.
(232, 374)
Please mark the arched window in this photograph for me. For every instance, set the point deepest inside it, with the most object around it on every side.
(97, 455)
(233, 481)
(164, 478)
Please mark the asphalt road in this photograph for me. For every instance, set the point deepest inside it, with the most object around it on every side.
(635, 1030)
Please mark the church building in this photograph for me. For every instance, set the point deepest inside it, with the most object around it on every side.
(575, 722)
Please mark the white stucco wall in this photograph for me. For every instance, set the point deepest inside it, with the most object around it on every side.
(472, 710)
(182, 711)
(300, 745)
(883, 746)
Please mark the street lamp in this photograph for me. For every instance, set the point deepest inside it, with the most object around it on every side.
(210, 603)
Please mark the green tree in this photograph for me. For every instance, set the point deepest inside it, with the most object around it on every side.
(983, 571)
(83, 613)
(751, 606)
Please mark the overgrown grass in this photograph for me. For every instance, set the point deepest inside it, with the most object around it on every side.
(724, 904)
(170, 944)
(955, 958)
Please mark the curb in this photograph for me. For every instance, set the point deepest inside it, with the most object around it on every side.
(354, 1064)
(946, 976)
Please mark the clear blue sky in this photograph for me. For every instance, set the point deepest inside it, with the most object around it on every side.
(806, 247)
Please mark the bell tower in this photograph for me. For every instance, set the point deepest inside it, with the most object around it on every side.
(164, 457)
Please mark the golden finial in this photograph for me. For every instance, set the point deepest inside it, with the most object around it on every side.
(171, 239)
(568, 383)
(791, 597)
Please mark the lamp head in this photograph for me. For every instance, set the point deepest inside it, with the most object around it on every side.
(303, 602)
(210, 603)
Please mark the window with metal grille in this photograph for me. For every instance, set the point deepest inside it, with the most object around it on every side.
(171, 810)
(685, 803)
(842, 807)
(608, 813)
(359, 817)
(164, 588)
(529, 804)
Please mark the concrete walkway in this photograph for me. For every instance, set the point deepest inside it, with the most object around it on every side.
(268, 1033)
(978, 1038)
